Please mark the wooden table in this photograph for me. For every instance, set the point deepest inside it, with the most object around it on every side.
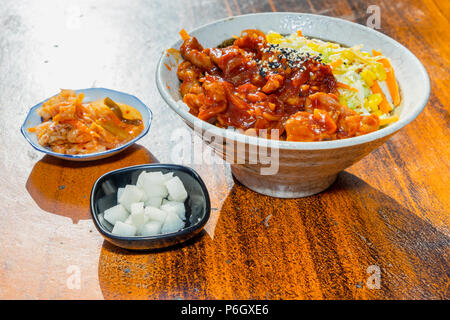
(389, 211)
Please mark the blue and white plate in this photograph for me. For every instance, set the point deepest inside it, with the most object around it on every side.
(91, 94)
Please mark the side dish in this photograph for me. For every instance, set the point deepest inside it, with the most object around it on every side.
(155, 205)
(307, 89)
(70, 126)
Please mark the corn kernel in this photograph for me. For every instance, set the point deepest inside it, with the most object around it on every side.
(368, 76)
(379, 71)
(274, 37)
(313, 46)
(389, 120)
(349, 55)
(375, 98)
(342, 100)
(372, 102)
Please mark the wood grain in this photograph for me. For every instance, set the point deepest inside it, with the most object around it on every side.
(390, 210)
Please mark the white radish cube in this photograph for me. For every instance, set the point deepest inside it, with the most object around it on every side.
(155, 214)
(156, 177)
(168, 176)
(116, 213)
(138, 216)
(172, 223)
(157, 190)
(138, 220)
(176, 189)
(129, 220)
(123, 229)
(140, 180)
(137, 207)
(140, 185)
(175, 207)
(153, 202)
(130, 195)
(151, 228)
(119, 193)
(153, 185)
(144, 197)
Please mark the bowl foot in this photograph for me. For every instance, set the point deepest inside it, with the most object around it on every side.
(281, 186)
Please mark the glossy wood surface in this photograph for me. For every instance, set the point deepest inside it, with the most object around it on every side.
(390, 210)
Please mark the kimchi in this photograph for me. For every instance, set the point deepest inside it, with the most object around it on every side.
(70, 126)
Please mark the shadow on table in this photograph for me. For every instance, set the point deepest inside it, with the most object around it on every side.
(317, 247)
(127, 274)
(63, 187)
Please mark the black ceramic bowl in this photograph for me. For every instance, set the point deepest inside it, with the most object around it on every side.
(104, 196)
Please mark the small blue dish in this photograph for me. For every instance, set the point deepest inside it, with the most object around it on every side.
(90, 94)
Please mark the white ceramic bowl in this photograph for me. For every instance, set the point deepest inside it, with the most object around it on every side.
(90, 94)
(305, 168)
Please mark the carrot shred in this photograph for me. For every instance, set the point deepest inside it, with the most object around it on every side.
(389, 120)
(385, 107)
(184, 35)
(299, 33)
(345, 86)
(336, 63)
(390, 78)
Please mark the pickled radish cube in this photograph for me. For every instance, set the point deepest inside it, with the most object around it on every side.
(151, 228)
(144, 195)
(130, 195)
(172, 223)
(124, 229)
(137, 207)
(129, 221)
(139, 184)
(155, 214)
(119, 193)
(168, 176)
(116, 213)
(156, 177)
(138, 220)
(153, 185)
(176, 189)
(153, 202)
(157, 191)
(140, 180)
(175, 207)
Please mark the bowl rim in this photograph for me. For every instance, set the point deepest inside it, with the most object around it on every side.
(295, 145)
(88, 156)
(173, 235)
